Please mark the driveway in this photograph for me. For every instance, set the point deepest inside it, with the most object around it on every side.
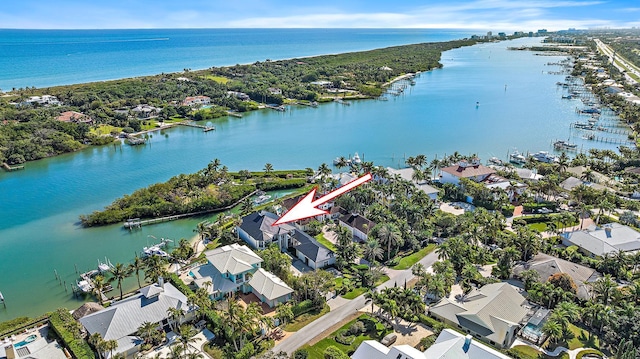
(321, 325)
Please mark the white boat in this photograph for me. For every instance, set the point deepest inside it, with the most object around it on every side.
(495, 161)
(261, 199)
(154, 251)
(565, 145)
(517, 158)
(356, 159)
(106, 266)
(84, 285)
(545, 157)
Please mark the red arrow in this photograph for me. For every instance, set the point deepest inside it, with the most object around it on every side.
(307, 207)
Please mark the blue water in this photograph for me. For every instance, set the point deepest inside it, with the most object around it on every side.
(44, 58)
(41, 204)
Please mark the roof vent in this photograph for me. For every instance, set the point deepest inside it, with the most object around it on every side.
(467, 343)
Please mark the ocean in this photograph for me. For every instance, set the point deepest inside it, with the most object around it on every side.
(44, 58)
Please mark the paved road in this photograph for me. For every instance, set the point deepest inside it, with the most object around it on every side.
(322, 324)
(625, 66)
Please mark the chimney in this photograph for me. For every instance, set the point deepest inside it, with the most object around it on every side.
(607, 231)
(161, 282)
(467, 343)
(10, 352)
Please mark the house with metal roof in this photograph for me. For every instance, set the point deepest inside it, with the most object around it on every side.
(269, 288)
(547, 265)
(449, 344)
(492, 313)
(258, 231)
(121, 320)
(313, 253)
(228, 270)
(599, 241)
(234, 268)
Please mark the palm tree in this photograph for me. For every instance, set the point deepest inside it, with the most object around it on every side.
(553, 330)
(96, 340)
(154, 268)
(147, 331)
(136, 266)
(246, 206)
(186, 336)
(120, 272)
(99, 284)
(175, 316)
(268, 168)
(388, 233)
(603, 287)
(372, 251)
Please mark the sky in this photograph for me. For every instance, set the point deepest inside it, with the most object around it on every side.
(498, 15)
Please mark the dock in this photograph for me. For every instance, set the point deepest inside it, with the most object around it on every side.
(133, 223)
(135, 141)
(310, 104)
(277, 108)
(204, 128)
(11, 169)
(234, 114)
(341, 101)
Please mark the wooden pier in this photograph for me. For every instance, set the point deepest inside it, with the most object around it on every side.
(135, 141)
(204, 128)
(137, 222)
(277, 108)
(234, 114)
(11, 169)
(310, 104)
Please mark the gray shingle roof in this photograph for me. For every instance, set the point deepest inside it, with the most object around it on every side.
(259, 226)
(310, 247)
(357, 221)
(489, 311)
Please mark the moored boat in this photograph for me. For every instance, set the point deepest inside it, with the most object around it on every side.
(565, 145)
(517, 158)
(261, 199)
(495, 161)
(545, 157)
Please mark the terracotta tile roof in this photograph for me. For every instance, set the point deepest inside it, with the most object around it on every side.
(468, 171)
(73, 116)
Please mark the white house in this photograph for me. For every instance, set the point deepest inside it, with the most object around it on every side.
(312, 252)
(449, 345)
(407, 174)
(121, 320)
(196, 100)
(471, 170)
(599, 241)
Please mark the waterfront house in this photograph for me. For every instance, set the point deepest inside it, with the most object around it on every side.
(121, 320)
(513, 189)
(311, 252)
(274, 91)
(472, 170)
(234, 268)
(449, 344)
(44, 100)
(546, 266)
(146, 111)
(407, 174)
(239, 95)
(196, 100)
(258, 231)
(269, 288)
(228, 270)
(73, 116)
(357, 224)
(322, 83)
(288, 203)
(607, 239)
(492, 313)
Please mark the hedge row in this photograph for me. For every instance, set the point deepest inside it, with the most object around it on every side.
(531, 207)
(302, 307)
(79, 348)
(179, 284)
(282, 184)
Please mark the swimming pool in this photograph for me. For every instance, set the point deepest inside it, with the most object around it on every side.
(26, 341)
(532, 330)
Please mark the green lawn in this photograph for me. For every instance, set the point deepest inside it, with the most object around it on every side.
(359, 290)
(376, 331)
(527, 352)
(105, 130)
(581, 339)
(325, 242)
(407, 261)
(542, 226)
(305, 319)
(218, 79)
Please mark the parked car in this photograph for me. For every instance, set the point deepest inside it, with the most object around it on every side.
(389, 339)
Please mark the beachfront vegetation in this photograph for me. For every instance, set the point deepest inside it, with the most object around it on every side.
(212, 188)
(30, 131)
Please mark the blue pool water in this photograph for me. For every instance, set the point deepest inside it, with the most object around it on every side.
(27, 340)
